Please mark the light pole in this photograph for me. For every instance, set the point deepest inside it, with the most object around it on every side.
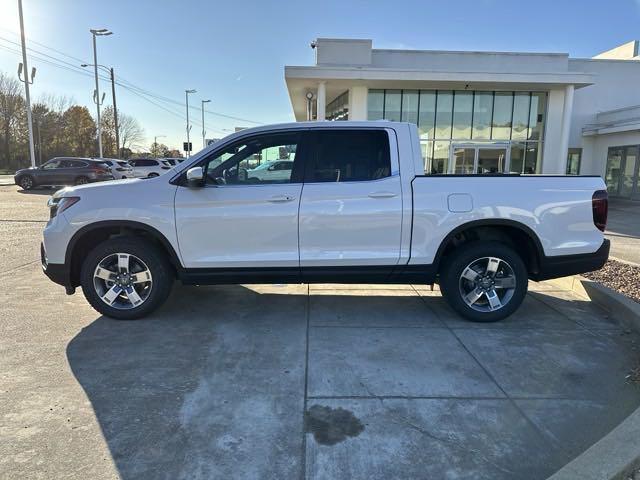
(100, 32)
(155, 140)
(186, 94)
(204, 133)
(115, 107)
(27, 82)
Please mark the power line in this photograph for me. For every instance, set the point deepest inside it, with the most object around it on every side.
(131, 84)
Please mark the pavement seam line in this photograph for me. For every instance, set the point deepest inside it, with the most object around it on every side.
(303, 459)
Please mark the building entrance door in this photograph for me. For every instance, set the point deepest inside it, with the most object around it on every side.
(622, 172)
(478, 158)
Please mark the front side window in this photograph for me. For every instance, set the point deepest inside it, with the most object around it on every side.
(51, 164)
(349, 156)
(255, 160)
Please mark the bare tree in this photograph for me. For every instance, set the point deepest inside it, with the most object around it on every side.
(11, 103)
(131, 133)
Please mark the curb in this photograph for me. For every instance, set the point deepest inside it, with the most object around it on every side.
(616, 455)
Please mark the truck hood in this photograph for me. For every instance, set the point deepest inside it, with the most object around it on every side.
(110, 186)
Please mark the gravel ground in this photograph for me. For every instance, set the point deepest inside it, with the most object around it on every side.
(619, 276)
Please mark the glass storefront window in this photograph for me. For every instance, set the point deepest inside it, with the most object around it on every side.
(444, 114)
(482, 113)
(462, 111)
(573, 161)
(514, 120)
(375, 105)
(531, 160)
(427, 114)
(392, 103)
(521, 103)
(410, 106)
(517, 158)
(536, 117)
(440, 161)
(502, 110)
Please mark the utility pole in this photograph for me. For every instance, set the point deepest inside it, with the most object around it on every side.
(27, 82)
(115, 112)
(100, 32)
(115, 107)
(204, 133)
(186, 94)
(155, 140)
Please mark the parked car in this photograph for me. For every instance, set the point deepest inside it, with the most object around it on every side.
(276, 171)
(63, 171)
(150, 167)
(356, 207)
(119, 168)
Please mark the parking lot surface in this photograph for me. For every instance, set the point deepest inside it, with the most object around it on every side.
(296, 381)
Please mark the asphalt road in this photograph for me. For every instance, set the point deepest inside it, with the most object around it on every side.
(623, 229)
(295, 381)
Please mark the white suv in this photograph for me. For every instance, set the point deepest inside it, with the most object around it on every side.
(150, 167)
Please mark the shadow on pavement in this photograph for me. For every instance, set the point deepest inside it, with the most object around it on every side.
(39, 191)
(213, 386)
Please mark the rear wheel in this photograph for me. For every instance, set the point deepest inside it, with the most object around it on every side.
(26, 182)
(484, 282)
(81, 181)
(126, 278)
(153, 174)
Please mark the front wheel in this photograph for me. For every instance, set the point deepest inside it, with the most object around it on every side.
(26, 182)
(126, 278)
(484, 281)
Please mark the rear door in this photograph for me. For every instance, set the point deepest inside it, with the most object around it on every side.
(351, 207)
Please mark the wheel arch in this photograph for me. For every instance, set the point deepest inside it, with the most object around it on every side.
(511, 232)
(90, 235)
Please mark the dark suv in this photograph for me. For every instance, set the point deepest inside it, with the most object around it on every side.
(63, 171)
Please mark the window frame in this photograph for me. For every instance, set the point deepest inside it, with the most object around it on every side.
(393, 154)
(299, 162)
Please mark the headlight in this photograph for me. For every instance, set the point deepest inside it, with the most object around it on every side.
(59, 205)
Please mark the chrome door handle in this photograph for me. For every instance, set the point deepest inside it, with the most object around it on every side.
(383, 194)
(280, 198)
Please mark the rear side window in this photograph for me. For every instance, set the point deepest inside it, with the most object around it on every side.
(349, 156)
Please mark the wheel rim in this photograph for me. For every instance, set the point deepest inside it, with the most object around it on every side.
(122, 281)
(81, 181)
(26, 183)
(487, 284)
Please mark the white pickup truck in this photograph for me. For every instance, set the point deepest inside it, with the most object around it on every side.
(355, 207)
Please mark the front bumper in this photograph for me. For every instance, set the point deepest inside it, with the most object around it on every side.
(565, 265)
(57, 272)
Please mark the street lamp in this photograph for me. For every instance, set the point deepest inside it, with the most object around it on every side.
(186, 94)
(204, 133)
(99, 32)
(27, 82)
(113, 97)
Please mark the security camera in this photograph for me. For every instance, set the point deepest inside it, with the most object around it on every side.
(313, 44)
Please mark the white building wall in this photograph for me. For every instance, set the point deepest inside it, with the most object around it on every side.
(358, 98)
(553, 161)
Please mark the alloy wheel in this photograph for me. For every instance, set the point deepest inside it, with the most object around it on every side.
(26, 183)
(122, 281)
(487, 284)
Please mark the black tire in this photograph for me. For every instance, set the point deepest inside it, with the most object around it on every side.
(153, 175)
(511, 271)
(81, 181)
(26, 182)
(161, 273)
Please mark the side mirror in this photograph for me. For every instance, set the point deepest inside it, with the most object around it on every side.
(195, 177)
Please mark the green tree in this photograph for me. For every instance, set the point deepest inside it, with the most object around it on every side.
(79, 132)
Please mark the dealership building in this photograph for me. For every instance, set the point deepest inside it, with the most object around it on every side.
(486, 112)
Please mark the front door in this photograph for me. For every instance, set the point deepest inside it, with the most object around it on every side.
(351, 209)
(238, 220)
(622, 172)
(478, 159)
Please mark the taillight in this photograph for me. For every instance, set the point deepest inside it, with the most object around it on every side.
(600, 208)
(99, 170)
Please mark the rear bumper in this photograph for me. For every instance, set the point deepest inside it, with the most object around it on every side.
(565, 265)
(57, 272)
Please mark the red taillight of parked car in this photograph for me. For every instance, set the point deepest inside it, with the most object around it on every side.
(100, 170)
(600, 207)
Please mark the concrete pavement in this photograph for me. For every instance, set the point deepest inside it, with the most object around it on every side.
(297, 381)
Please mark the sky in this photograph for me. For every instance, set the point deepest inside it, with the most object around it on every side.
(234, 52)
